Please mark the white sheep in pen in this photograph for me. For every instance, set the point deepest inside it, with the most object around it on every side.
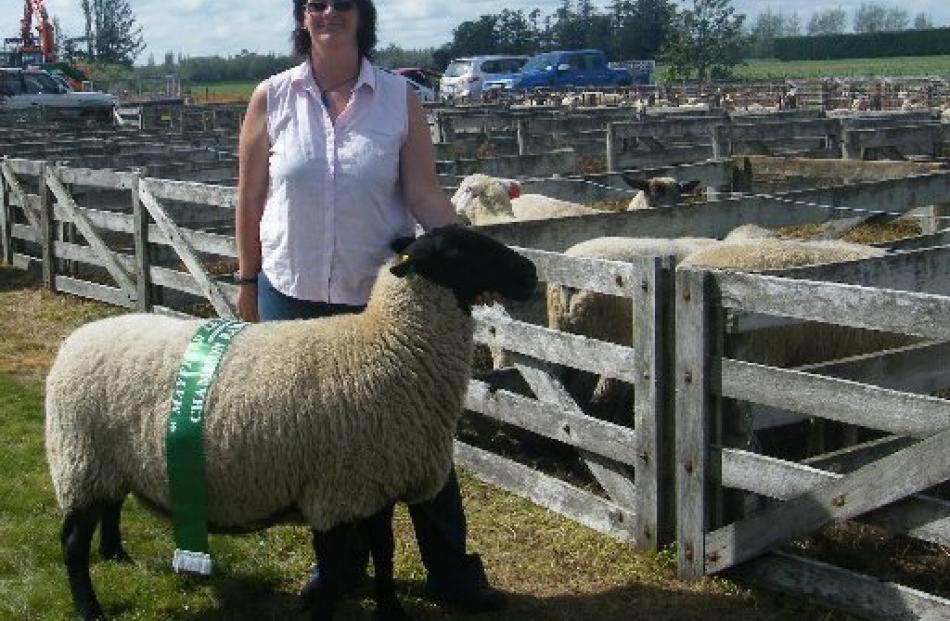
(804, 342)
(481, 199)
(605, 317)
(332, 420)
(610, 318)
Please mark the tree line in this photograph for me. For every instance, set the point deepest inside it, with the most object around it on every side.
(694, 38)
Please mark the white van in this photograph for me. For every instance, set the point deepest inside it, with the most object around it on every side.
(464, 78)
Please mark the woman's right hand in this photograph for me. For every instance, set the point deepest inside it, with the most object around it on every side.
(247, 302)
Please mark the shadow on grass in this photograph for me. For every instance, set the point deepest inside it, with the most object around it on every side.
(12, 278)
(248, 598)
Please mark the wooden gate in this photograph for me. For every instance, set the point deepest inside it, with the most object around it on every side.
(883, 480)
(630, 462)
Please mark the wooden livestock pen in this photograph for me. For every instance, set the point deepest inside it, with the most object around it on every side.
(110, 255)
(117, 260)
(879, 481)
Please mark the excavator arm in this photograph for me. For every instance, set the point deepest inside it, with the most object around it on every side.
(44, 28)
(26, 25)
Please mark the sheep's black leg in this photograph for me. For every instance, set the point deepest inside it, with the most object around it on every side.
(110, 536)
(332, 549)
(76, 541)
(377, 531)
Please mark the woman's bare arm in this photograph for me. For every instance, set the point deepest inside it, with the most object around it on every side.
(420, 184)
(253, 154)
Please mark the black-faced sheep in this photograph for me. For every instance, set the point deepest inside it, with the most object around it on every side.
(330, 420)
(658, 191)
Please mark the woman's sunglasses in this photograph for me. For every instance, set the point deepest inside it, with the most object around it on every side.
(340, 6)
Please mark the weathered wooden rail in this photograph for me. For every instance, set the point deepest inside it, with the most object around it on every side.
(879, 483)
(38, 210)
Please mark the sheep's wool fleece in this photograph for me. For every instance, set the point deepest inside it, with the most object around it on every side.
(605, 317)
(801, 343)
(540, 207)
(483, 200)
(747, 232)
(770, 253)
(602, 316)
(333, 418)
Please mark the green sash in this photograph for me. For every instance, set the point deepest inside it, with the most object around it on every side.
(184, 444)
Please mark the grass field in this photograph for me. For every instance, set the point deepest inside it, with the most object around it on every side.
(852, 67)
(753, 70)
(223, 91)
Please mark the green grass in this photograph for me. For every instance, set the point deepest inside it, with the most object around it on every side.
(756, 69)
(852, 67)
(224, 90)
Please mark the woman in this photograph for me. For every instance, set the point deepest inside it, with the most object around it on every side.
(336, 161)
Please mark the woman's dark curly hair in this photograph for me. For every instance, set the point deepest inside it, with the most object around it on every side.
(365, 31)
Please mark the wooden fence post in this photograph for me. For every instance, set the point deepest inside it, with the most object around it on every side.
(6, 224)
(143, 263)
(692, 420)
(721, 138)
(611, 147)
(522, 129)
(652, 418)
(47, 230)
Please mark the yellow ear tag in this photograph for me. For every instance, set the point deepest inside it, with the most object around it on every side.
(410, 271)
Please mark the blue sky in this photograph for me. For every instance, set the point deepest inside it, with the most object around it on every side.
(204, 27)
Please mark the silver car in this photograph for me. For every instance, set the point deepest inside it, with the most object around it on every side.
(21, 89)
(465, 77)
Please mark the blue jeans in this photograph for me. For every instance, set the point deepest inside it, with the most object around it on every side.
(439, 523)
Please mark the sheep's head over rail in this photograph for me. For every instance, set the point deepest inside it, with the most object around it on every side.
(661, 191)
(466, 262)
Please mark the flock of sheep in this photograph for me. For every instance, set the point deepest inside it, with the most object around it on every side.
(838, 97)
(486, 200)
(325, 420)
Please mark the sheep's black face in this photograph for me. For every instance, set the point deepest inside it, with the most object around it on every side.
(468, 263)
(660, 191)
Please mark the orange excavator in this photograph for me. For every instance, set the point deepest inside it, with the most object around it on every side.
(39, 49)
(30, 49)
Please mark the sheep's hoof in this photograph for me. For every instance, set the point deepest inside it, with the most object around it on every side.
(390, 613)
(93, 614)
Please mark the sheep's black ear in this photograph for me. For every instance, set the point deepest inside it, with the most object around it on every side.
(689, 186)
(401, 269)
(400, 244)
(634, 182)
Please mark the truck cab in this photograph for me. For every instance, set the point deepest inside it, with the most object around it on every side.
(568, 68)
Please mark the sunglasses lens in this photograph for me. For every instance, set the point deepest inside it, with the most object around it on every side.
(340, 6)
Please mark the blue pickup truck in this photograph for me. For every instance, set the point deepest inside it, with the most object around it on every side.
(563, 69)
